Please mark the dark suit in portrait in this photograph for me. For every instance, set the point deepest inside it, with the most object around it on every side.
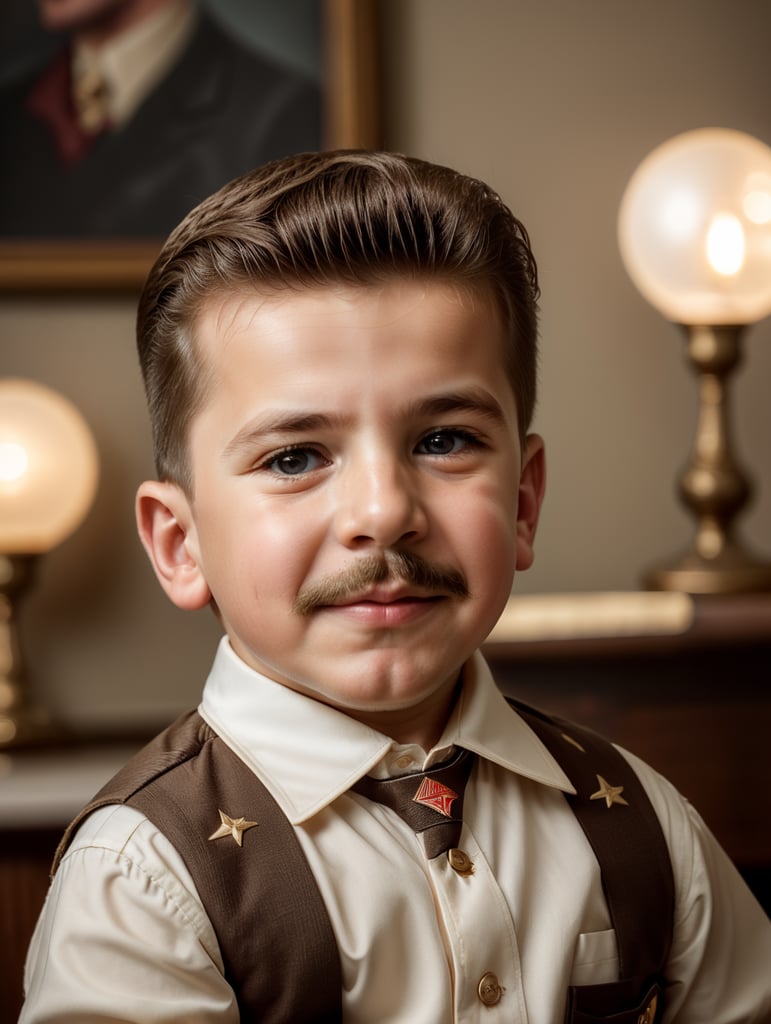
(219, 111)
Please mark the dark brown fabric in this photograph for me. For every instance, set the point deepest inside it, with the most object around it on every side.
(438, 829)
(617, 1003)
(634, 861)
(274, 933)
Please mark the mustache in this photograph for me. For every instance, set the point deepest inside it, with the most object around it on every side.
(366, 572)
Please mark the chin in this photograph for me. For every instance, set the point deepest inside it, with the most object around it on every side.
(387, 694)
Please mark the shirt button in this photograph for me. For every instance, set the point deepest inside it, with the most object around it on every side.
(489, 990)
(460, 862)
(403, 762)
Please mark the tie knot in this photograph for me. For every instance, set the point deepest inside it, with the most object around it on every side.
(91, 99)
(430, 802)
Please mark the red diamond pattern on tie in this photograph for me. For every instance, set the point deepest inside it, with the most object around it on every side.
(434, 794)
(430, 802)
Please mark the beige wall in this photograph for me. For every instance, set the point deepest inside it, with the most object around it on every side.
(554, 103)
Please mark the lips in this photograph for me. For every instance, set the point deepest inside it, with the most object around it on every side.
(394, 593)
(385, 607)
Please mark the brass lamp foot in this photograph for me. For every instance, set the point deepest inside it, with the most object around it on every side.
(732, 571)
(713, 486)
(22, 723)
(25, 727)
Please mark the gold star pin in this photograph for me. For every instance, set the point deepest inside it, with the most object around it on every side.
(234, 827)
(610, 794)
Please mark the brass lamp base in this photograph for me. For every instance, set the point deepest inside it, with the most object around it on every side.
(733, 571)
(26, 727)
(22, 723)
(713, 486)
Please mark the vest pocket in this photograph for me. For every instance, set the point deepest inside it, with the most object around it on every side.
(595, 961)
(615, 1003)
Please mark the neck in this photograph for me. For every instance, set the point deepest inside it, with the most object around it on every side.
(422, 724)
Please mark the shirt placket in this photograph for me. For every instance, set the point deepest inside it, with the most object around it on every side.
(480, 937)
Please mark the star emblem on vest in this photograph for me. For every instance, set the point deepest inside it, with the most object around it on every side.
(234, 827)
(434, 794)
(610, 794)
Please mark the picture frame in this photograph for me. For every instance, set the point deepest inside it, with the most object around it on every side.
(350, 119)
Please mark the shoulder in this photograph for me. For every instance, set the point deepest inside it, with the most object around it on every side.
(112, 827)
(721, 945)
(700, 864)
(683, 828)
(122, 925)
(117, 845)
(701, 867)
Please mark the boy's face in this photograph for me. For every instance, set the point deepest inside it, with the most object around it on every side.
(344, 428)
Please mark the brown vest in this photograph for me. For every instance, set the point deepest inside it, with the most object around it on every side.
(275, 937)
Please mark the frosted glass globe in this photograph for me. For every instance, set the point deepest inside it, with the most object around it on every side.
(694, 228)
(48, 467)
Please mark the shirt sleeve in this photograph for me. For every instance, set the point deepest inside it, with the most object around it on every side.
(123, 935)
(718, 967)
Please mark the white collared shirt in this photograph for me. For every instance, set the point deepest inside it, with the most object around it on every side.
(123, 935)
(132, 63)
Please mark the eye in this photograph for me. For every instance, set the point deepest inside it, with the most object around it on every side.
(294, 461)
(446, 442)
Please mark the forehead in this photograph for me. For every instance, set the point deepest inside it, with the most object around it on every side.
(356, 356)
(344, 321)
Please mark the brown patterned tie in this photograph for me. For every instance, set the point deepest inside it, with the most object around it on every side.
(430, 802)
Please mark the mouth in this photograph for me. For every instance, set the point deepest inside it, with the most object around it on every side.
(396, 580)
(385, 607)
(385, 593)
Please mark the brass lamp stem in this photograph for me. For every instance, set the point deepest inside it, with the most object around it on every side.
(713, 486)
(20, 721)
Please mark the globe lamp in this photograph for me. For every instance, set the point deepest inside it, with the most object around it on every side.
(694, 230)
(48, 478)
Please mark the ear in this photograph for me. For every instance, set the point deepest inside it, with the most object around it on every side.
(532, 484)
(166, 528)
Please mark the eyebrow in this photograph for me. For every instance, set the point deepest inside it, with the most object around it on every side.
(282, 424)
(285, 424)
(468, 400)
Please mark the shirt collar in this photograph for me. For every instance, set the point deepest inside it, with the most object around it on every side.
(278, 733)
(135, 61)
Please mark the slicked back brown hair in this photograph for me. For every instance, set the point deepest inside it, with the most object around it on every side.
(345, 217)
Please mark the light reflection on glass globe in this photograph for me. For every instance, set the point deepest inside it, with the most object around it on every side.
(48, 467)
(694, 228)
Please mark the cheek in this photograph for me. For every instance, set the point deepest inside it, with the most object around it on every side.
(271, 551)
(287, 533)
(486, 532)
(495, 546)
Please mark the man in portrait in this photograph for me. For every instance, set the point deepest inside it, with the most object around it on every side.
(145, 108)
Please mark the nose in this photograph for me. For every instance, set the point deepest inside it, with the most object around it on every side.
(379, 504)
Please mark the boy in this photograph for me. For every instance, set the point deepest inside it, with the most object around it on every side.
(339, 355)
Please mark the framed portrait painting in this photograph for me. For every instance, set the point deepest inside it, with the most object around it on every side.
(115, 122)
